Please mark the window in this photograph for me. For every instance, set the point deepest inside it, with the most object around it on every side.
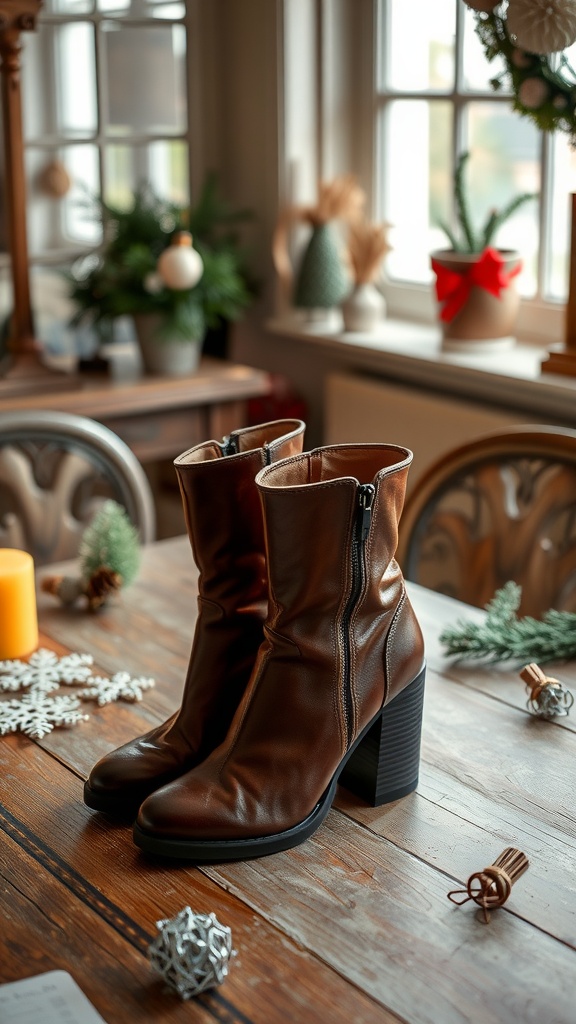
(434, 100)
(104, 100)
(105, 107)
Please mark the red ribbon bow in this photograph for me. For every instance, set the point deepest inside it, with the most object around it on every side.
(454, 286)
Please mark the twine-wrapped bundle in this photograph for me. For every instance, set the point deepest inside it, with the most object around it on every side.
(490, 888)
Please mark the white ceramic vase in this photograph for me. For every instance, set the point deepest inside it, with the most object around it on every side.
(364, 308)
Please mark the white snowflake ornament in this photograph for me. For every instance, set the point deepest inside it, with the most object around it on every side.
(37, 714)
(120, 687)
(45, 671)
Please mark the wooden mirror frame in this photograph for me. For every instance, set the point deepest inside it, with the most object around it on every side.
(25, 373)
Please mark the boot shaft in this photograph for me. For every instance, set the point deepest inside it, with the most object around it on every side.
(222, 508)
(336, 592)
(331, 520)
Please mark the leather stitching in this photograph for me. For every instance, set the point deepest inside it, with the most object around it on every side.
(390, 641)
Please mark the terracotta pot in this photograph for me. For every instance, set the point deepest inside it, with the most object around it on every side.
(163, 356)
(486, 322)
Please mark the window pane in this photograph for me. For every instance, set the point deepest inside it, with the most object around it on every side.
(477, 71)
(144, 70)
(142, 9)
(420, 45)
(163, 164)
(59, 83)
(563, 183)
(68, 6)
(416, 168)
(504, 162)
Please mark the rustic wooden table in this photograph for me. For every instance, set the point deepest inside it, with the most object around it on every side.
(354, 925)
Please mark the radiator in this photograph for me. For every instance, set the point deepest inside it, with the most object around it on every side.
(361, 408)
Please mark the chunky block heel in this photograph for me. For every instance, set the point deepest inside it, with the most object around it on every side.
(385, 764)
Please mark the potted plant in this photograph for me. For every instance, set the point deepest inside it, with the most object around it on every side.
(475, 282)
(176, 271)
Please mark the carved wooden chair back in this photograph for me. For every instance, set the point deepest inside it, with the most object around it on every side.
(56, 469)
(500, 508)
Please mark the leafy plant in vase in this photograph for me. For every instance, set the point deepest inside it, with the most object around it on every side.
(475, 282)
(176, 271)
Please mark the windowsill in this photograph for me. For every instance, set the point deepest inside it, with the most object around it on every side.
(411, 352)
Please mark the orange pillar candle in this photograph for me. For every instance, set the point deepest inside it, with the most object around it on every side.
(18, 618)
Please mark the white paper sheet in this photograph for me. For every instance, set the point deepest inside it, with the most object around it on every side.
(52, 998)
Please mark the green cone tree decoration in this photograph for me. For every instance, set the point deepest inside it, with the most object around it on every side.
(504, 636)
(109, 559)
(321, 282)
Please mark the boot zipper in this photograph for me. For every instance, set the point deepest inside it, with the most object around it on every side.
(229, 445)
(360, 530)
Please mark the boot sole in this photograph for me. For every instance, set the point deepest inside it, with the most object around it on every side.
(120, 808)
(381, 766)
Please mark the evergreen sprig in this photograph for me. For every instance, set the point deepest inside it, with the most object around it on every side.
(112, 542)
(556, 109)
(504, 636)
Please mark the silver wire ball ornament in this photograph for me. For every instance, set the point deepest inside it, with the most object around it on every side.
(192, 952)
(548, 697)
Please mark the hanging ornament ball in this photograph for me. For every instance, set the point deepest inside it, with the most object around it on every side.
(54, 180)
(533, 93)
(542, 26)
(180, 266)
(484, 6)
(192, 952)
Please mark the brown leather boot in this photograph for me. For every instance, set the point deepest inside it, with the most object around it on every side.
(224, 521)
(337, 686)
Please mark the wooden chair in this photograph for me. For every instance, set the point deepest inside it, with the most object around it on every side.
(56, 469)
(500, 508)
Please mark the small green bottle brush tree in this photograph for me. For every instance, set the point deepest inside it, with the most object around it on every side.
(469, 239)
(109, 560)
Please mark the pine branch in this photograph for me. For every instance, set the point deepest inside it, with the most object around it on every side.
(504, 636)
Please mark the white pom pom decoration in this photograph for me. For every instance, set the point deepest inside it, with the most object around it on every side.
(180, 266)
(533, 93)
(542, 26)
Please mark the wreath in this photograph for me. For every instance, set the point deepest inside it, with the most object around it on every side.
(530, 35)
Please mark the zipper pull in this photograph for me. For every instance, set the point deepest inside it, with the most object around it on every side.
(229, 445)
(366, 494)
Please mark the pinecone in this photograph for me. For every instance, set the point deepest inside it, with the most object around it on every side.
(101, 584)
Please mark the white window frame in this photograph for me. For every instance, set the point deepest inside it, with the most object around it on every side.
(331, 102)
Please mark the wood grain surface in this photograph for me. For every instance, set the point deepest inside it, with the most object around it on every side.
(353, 925)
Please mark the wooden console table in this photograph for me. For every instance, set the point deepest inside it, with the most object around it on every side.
(159, 417)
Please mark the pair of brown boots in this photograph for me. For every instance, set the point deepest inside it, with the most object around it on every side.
(307, 665)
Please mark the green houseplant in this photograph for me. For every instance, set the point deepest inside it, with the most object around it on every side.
(121, 278)
(475, 281)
